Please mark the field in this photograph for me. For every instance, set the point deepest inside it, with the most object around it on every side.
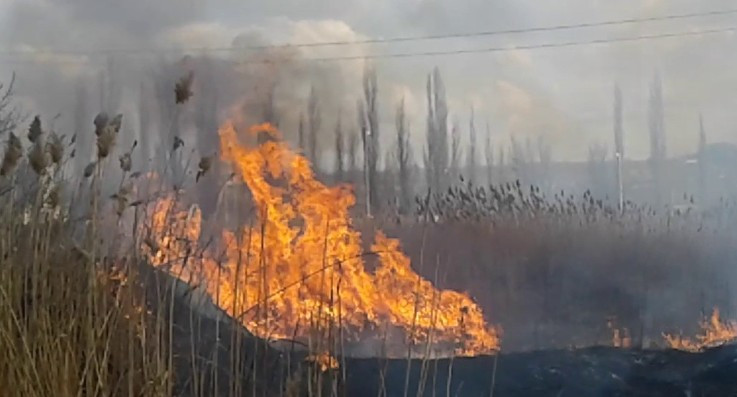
(246, 273)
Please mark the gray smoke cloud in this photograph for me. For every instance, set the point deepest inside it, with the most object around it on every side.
(563, 93)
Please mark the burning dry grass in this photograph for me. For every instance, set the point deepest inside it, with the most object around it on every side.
(301, 270)
(714, 332)
(77, 319)
(554, 268)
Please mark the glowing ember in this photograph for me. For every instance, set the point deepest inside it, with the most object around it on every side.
(298, 272)
(715, 332)
(620, 336)
(324, 361)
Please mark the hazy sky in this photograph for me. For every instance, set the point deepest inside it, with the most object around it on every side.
(562, 93)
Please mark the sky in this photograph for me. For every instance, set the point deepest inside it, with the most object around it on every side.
(562, 94)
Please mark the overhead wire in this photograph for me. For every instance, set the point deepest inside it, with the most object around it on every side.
(401, 39)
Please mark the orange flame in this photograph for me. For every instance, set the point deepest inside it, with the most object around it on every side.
(620, 337)
(715, 332)
(300, 272)
(324, 361)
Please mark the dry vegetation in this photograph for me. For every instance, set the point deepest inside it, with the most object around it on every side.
(82, 314)
(81, 311)
(554, 270)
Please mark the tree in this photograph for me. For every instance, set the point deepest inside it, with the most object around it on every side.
(471, 157)
(502, 162)
(404, 158)
(205, 112)
(618, 131)
(82, 125)
(545, 157)
(489, 155)
(597, 169)
(164, 82)
(702, 162)
(618, 144)
(269, 112)
(9, 114)
(519, 160)
(301, 133)
(656, 119)
(110, 87)
(353, 151)
(363, 128)
(369, 123)
(436, 156)
(339, 152)
(315, 121)
(455, 150)
(206, 128)
(144, 125)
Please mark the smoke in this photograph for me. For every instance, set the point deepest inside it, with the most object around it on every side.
(73, 44)
(569, 88)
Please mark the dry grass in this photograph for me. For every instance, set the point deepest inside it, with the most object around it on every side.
(80, 315)
(81, 311)
(72, 317)
(552, 270)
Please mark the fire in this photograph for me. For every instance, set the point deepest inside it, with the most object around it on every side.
(324, 361)
(715, 332)
(620, 336)
(298, 272)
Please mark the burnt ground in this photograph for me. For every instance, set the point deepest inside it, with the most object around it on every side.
(596, 371)
(210, 349)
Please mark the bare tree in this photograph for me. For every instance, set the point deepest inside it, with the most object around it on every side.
(404, 158)
(363, 128)
(656, 121)
(455, 149)
(206, 126)
(144, 125)
(9, 114)
(169, 120)
(271, 115)
(618, 130)
(519, 160)
(436, 156)
(471, 157)
(301, 133)
(597, 169)
(83, 141)
(369, 113)
(502, 162)
(205, 113)
(339, 151)
(489, 155)
(703, 174)
(110, 87)
(353, 151)
(619, 144)
(269, 112)
(314, 119)
(545, 157)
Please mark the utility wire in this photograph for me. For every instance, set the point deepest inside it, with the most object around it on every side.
(374, 41)
(399, 55)
(511, 48)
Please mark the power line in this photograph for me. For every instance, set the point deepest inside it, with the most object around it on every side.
(513, 48)
(459, 52)
(513, 31)
(400, 39)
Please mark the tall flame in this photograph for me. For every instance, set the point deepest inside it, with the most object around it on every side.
(300, 269)
(715, 332)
